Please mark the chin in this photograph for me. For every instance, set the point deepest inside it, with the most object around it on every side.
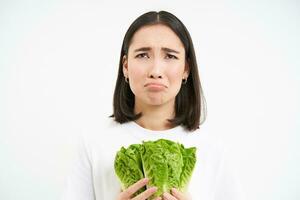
(158, 101)
(155, 102)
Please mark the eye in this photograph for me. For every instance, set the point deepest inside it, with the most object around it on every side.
(171, 56)
(141, 55)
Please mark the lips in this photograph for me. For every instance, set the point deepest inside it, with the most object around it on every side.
(155, 87)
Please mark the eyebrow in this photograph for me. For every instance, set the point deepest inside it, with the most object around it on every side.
(163, 48)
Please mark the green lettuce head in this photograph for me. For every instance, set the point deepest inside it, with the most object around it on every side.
(167, 164)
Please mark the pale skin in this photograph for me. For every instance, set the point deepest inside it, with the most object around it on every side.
(156, 55)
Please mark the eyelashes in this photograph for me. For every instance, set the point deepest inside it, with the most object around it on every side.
(172, 56)
(142, 55)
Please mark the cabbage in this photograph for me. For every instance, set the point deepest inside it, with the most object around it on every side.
(167, 164)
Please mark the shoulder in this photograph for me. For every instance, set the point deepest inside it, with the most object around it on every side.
(102, 128)
(210, 146)
(93, 132)
(105, 134)
(203, 137)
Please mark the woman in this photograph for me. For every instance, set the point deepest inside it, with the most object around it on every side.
(157, 95)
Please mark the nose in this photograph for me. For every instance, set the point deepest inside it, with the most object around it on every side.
(156, 69)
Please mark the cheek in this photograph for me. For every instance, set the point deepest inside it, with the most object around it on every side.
(136, 73)
(135, 69)
(136, 77)
(175, 74)
(175, 82)
(175, 79)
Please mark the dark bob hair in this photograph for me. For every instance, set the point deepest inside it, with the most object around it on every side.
(190, 104)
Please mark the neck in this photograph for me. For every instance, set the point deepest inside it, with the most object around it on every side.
(155, 117)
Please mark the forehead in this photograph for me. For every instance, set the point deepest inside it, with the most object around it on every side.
(157, 35)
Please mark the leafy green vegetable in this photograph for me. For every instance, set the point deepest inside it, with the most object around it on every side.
(167, 164)
(128, 166)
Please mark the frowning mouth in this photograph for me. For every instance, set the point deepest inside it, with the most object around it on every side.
(155, 86)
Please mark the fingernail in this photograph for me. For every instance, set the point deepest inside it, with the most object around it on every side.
(146, 179)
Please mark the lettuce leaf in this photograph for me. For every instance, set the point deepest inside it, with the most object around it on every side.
(167, 164)
(128, 166)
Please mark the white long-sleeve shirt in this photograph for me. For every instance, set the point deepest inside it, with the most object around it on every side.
(93, 177)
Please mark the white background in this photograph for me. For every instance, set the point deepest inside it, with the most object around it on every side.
(58, 67)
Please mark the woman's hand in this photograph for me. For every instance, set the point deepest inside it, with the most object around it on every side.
(176, 195)
(127, 194)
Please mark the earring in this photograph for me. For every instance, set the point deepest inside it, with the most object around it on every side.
(126, 79)
(184, 80)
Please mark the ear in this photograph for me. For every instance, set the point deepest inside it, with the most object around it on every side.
(125, 65)
(186, 70)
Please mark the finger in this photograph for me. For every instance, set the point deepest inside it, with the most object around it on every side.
(168, 196)
(176, 193)
(158, 198)
(135, 187)
(144, 195)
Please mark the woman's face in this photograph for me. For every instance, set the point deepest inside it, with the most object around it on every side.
(155, 65)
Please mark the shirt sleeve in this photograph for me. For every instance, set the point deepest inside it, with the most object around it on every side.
(228, 185)
(79, 182)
